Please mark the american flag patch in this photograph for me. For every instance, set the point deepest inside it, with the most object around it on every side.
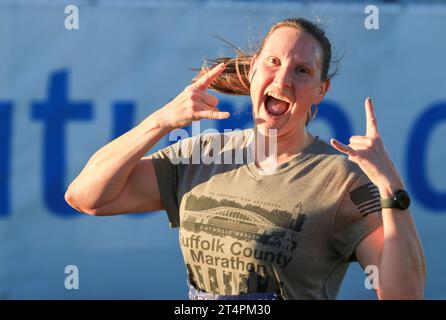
(366, 199)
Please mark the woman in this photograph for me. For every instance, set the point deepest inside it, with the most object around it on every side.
(289, 234)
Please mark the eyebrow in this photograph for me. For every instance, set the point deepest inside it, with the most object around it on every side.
(306, 64)
(299, 62)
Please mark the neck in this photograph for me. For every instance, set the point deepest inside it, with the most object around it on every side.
(273, 151)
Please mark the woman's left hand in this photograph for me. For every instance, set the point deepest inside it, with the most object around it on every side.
(370, 154)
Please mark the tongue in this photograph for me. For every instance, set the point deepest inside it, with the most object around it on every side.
(276, 107)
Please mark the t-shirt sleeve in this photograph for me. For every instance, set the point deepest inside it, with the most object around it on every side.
(167, 178)
(169, 163)
(172, 164)
(358, 215)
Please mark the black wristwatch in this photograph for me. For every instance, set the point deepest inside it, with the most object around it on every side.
(400, 200)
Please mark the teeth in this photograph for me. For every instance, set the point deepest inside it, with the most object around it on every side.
(278, 96)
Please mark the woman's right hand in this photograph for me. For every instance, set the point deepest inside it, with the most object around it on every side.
(193, 104)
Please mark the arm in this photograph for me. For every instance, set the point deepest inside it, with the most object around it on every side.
(117, 179)
(395, 248)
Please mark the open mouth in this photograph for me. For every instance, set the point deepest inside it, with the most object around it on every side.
(276, 105)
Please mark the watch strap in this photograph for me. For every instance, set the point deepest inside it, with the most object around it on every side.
(399, 200)
(389, 203)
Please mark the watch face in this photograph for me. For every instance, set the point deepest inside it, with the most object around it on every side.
(403, 200)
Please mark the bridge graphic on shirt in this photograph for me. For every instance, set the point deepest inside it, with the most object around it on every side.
(275, 228)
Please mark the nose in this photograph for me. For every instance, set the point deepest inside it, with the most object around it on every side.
(282, 78)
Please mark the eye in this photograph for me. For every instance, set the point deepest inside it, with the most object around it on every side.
(273, 60)
(301, 69)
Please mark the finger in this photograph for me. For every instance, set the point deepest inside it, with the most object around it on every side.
(372, 123)
(209, 99)
(211, 114)
(207, 78)
(358, 147)
(360, 140)
(342, 147)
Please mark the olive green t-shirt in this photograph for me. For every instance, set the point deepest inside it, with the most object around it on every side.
(293, 232)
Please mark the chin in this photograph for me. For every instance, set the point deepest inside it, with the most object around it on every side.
(263, 126)
(265, 122)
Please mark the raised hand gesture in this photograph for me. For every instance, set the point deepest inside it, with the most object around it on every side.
(193, 104)
(369, 153)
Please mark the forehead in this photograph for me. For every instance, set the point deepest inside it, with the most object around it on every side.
(293, 43)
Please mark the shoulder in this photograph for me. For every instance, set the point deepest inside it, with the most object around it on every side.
(234, 139)
(210, 141)
(337, 162)
(224, 136)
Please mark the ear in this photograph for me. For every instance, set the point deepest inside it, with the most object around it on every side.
(322, 90)
(251, 67)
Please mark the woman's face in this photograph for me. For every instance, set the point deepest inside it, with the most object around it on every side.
(286, 80)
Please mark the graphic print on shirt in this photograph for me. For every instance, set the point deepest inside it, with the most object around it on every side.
(366, 199)
(234, 246)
